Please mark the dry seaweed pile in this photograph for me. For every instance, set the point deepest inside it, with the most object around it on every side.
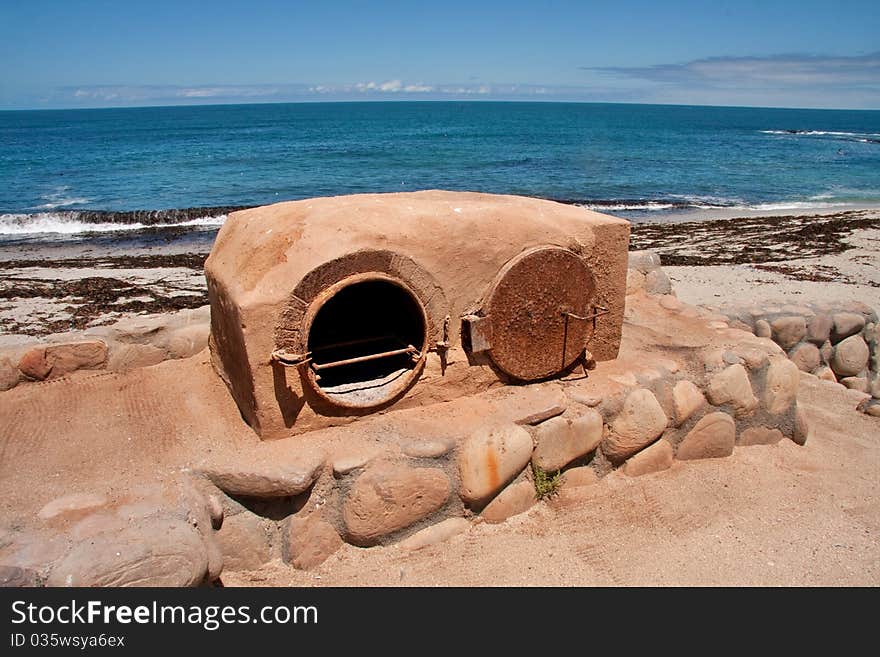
(173, 282)
(751, 240)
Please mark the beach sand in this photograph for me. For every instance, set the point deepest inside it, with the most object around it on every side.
(47, 289)
(779, 515)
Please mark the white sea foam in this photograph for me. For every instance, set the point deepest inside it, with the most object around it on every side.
(860, 136)
(795, 205)
(650, 205)
(63, 203)
(60, 224)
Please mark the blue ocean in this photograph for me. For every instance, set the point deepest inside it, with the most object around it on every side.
(76, 173)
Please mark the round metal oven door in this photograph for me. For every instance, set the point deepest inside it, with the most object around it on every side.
(536, 318)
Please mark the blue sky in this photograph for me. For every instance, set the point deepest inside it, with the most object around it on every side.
(92, 53)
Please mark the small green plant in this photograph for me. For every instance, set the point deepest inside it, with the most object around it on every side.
(546, 485)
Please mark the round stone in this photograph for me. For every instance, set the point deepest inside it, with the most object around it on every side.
(850, 356)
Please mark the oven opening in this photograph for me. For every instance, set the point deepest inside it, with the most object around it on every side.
(365, 341)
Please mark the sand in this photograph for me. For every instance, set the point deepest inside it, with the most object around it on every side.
(779, 515)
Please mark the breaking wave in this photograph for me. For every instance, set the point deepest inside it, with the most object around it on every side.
(648, 205)
(863, 137)
(75, 222)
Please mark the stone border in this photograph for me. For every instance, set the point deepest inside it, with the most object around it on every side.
(128, 344)
(837, 342)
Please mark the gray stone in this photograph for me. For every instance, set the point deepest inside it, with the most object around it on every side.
(643, 261)
(788, 330)
(513, 500)
(587, 399)
(874, 386)
(732, 386)
(542, 415)
(15, 577)
(490, 458)
(640, 422)
(215, 509)
(657, 282)
(351, 460)
(578, 477)
(801, 427)
(279, 477)
(825, 373)
(635, 281)
(858, 307)
(712, 437)
(310, 541)
(859, 383)
(33, 550)
(561, 440)
(762, 329)
(9, 374)
(653, 458)
(780, 389)
(155, 552)
(760, 436)
(187, 341)
(850, 356)
(56, 360)
(215, 559)
(753, 357)
(672, 303)
(442, 531)
(742, 326)
(731, 358)
(797, 309)
(869, 406)
(805, 356)
(819, 329)
(387, 498)
(687, 399)
(244, 542)
(845, 325)
(131, 356)
(826, 351)
(426, 448)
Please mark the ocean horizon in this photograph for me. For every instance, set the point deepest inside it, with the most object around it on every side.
(75, 173)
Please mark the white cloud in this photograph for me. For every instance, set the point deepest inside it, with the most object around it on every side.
(748, 72)
(782, 80)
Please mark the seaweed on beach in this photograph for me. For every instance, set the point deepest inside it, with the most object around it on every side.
(92, 297)
(751, 240)
(150, 261)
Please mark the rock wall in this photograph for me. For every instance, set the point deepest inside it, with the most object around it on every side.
(421, 491)
(838, 342)
(835, 341)
(128, 344)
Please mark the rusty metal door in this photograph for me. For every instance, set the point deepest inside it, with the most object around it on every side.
(537, 315)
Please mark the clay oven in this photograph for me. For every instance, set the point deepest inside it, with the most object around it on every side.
(330, 308)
